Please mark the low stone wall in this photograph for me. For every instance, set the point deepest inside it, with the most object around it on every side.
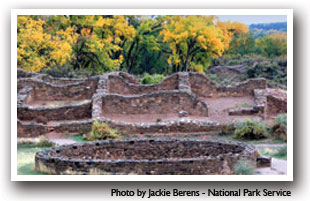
(62, 81)
(276, 105)
(58, 113)
(203, 86)
(30, 129)
(23, 95)
(157, 157)
(25, 74)
(154, 103)
(118, 85)
(243, 111)
(276, 101)
(263, 162)
(33, 129)
(49, 92)
(74, 127)
(121, 93)
(174, 126)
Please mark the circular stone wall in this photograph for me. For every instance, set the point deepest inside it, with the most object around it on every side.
(145, 156)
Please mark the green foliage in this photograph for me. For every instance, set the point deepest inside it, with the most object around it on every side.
(281, 119)
(102, 131)
(242, 45)
(41, 142)
(244, 167)
(274, 70)
(282, 151)
(250, 130)
(44, 142)
(78, 138)
(275, 74)
(273, 45)
(86, 45)
(279, 129)
(152, 79)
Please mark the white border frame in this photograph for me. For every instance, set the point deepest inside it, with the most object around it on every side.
(287, 12)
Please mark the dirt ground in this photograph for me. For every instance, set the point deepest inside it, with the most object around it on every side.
(42, 103)
(218, 111)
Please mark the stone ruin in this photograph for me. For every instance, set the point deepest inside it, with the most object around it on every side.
(145, 157)
(183, 102)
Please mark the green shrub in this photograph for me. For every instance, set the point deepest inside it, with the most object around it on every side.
(152, 79)
(250, 130)
(282, 152)
(281, 119)
(60, 71)
(102, 131)
(44, 142)
(68, 71)
(41, 142)
(279, 129)
(244, 167)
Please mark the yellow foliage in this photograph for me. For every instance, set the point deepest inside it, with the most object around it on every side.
(187, 35)
(47, 41)
(196, 68)
(36, 48)
(229, 29)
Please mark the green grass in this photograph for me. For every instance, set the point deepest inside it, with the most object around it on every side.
(274, 152)
(244, 167)
(25, 159)
(77, 138)
(243, 105)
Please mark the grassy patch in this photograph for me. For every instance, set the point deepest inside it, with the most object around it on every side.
(244, 167)
(25, 159)
(280, 152)
(77, 138)
(243, 105)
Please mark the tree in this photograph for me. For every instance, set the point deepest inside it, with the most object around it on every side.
(195, 40)
(101, 42)
(38, 48)
(242, 45)
(273, 45)
(145, 45)
(238, 39)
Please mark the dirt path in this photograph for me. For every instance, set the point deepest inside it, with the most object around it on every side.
(41, 103)
(218, 111)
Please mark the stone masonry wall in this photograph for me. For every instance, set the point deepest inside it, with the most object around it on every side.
(172, 126)
(154, 103)
(121, 93)
(276, 105)
(48, 92)
(66, 112)
(157, 157)
(203, 86)
(118, 85)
